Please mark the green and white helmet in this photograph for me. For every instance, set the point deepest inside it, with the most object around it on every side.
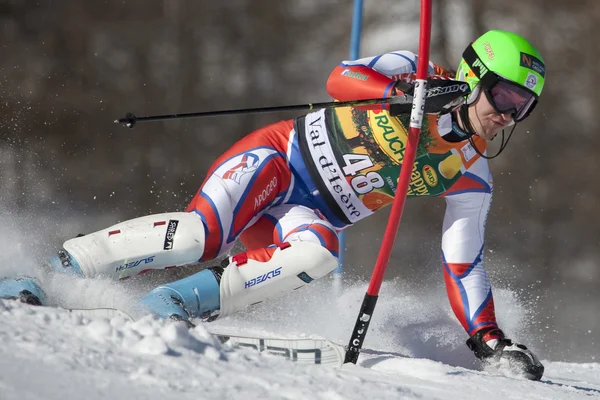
(509, 70)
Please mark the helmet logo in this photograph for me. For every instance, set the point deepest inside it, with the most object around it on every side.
(481, 68)
(533, 63)
(531, 81)
(489, 51)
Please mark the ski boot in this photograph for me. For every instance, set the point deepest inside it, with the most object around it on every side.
(23, 288)
(27, 289)
(63, 263)
(196, 296)
(493, 348)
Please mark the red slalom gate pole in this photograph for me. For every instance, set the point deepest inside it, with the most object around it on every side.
(416, 120)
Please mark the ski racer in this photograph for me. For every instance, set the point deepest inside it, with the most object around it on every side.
(288, 189)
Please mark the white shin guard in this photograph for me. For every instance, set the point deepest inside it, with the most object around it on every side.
(131, 247)
(290, 268)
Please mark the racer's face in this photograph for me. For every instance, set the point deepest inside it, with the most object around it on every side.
(486, 121)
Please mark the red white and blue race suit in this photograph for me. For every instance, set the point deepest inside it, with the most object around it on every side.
(307, 179)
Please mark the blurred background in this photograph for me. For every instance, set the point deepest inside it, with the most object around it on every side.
(69, 68)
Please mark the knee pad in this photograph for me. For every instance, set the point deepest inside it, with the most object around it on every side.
(293, 265)
(131, 247)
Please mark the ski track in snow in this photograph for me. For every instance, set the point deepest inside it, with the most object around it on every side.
(414, 350)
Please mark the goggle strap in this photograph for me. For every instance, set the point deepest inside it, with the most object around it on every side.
(486, 77)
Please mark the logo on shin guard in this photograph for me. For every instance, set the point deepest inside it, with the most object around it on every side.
(171, 229)
(134, 264)
(305, 277)
(262, 278)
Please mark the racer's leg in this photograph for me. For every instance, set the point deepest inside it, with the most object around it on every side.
(469, 288)
(304, 248)
(245, 180)
(467, 282)
(470, 294)
(307, 249)
(120, 251)
(135, 246)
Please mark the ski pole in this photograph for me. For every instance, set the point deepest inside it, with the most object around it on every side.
(416, 119)
(130, 119)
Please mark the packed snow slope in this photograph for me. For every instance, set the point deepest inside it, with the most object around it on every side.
(414, 350)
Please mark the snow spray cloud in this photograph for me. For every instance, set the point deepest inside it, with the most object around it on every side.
(409, 321)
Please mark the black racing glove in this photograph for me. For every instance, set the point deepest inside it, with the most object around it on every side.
(442, 96)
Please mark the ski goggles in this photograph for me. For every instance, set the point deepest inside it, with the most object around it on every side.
(508, 98)
(505, 96)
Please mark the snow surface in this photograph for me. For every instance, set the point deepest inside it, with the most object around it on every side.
(414, 350)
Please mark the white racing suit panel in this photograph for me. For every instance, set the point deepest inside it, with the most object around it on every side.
(288, 269)
(152, 242)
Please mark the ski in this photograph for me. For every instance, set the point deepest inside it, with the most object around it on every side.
(299, 350)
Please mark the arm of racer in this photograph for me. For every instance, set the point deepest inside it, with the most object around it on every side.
(375, 77)
(467, 283)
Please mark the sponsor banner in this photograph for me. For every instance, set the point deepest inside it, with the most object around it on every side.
(170, 235)
(533, 63)
(326, 164)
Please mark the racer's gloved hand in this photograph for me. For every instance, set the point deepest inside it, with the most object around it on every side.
(442, 96)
